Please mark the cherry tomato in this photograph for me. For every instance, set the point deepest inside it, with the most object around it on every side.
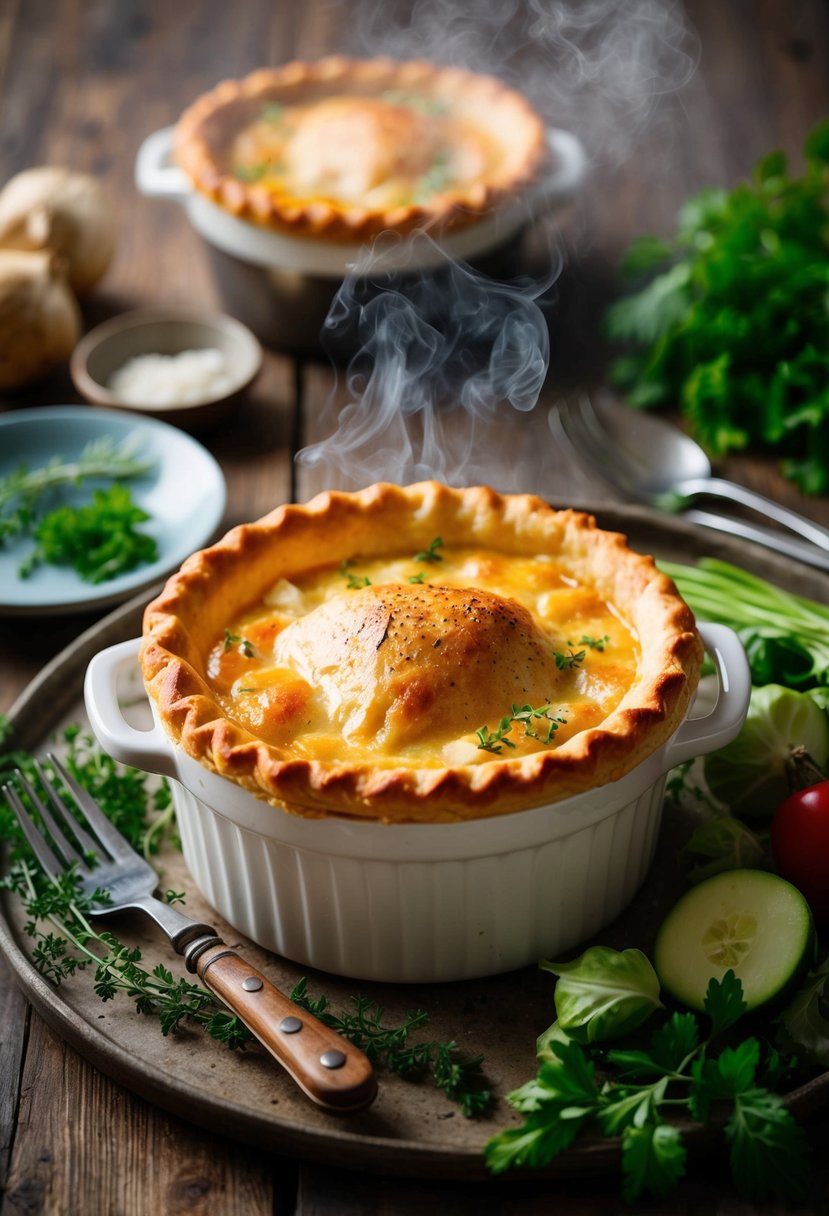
(800, 844)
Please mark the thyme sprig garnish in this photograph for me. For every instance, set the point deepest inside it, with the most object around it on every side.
(235, 639)
(430, 554)
(66, 942)
(460, 1079)
(353, 581)
(525, 715)
(570, 659)
(593, 643)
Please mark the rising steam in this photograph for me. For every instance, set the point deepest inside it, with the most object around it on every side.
(597, 68)
(448, 360)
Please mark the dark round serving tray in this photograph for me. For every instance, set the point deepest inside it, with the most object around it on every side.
(412, 1130)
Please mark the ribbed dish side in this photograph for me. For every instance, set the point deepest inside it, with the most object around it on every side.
(420, 921)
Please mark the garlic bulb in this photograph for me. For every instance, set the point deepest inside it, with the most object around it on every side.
(40, 320)
(62, 212)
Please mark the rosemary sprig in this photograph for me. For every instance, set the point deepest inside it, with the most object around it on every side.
(22, 490)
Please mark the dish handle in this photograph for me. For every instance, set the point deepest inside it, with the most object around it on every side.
(155, 174)
(149, 750)
(567, 174)
(696, 736)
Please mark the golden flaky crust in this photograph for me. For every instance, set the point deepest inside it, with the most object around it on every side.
(375, 140)
(181, 625)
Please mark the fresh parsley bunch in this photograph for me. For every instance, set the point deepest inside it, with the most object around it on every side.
(100, 539)
(732, 326)
(686, 1068)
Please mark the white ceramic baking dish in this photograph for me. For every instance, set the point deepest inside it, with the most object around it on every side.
(157, 177)
(414, 902)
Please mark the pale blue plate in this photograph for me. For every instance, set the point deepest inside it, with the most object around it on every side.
(184, 494)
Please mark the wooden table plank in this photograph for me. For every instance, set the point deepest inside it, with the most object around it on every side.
(135, 1158)
(84, 82)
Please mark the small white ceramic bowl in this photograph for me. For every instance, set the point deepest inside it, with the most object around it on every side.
(166, 331)
(415, 902)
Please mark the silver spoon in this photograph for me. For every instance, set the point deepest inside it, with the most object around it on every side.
(652, 461)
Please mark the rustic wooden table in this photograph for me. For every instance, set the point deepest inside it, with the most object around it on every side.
(677, 97)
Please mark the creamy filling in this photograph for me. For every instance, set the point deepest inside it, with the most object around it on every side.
(448, 657)
(377, 152)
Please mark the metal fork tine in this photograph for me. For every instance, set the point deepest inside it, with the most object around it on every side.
(591, 441)
(110, 838)
(83, 838)
(623, 455)
(53, 867)
(57, 833)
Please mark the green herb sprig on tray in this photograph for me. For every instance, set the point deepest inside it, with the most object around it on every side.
(66, 942)
(731, 325)
(460, 1079)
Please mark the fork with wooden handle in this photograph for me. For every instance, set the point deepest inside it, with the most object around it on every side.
(331, 1071)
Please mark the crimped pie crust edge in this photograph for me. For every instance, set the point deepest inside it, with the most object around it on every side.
(213, 583)
(350, 224)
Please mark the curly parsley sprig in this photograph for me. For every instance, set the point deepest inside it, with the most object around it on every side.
(727, 320)
(99, 538)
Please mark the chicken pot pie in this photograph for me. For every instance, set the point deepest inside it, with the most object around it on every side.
(346, 149)
(420, 654)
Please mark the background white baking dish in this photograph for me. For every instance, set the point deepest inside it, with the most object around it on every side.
(415, 902)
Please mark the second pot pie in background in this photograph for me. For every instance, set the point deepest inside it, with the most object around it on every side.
(345, 149)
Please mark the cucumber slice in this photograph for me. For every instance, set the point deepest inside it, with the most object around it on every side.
(754, 923)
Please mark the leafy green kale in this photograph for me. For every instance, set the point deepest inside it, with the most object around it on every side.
(732, 324)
